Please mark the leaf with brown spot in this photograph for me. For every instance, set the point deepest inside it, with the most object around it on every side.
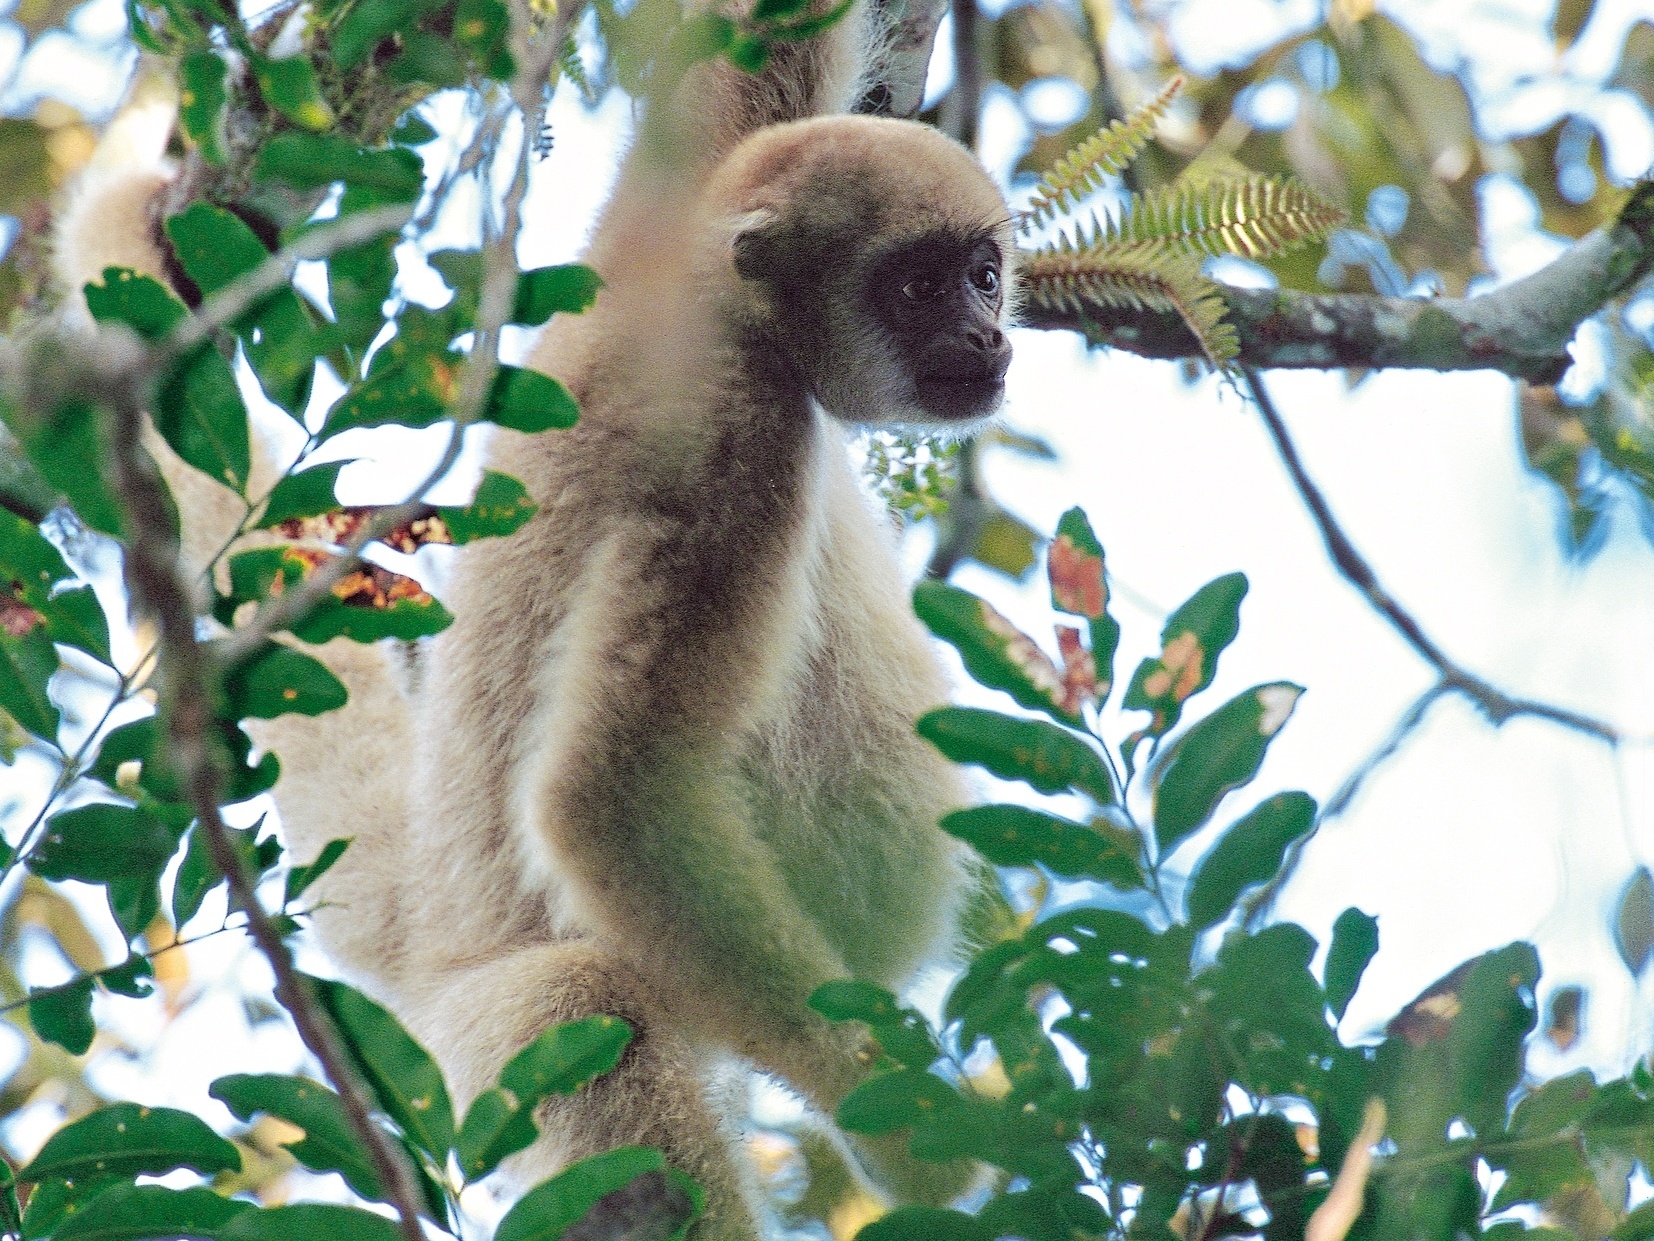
(1191, 642)
(368, 604)
(995, 651)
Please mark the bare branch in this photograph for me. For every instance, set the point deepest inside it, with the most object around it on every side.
(1353, 567)
(1522, 329)
(152, 577)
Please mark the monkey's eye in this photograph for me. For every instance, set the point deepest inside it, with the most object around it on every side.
(986, 278)
(923, 289)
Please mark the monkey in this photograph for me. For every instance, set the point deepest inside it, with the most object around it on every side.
(663, 763)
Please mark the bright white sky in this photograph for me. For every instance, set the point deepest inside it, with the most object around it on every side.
(1471, 836)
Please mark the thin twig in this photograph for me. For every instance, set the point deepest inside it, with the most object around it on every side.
(189, 677)
(1256, 907)
(1353, 567)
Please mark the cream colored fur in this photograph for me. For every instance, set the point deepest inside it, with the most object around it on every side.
(663, 764)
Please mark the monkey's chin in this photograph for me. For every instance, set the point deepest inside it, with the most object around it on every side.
(955, 402)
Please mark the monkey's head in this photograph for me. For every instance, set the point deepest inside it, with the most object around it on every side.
(876, 257)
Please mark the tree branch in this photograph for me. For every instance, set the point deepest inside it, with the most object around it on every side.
(189, 680)
(1522, 329)
(1353, 568)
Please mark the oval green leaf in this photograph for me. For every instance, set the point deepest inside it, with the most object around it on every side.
(405, 1080)
(1354, 943)
(275, 680)
(996, 652)
(1220, 753)
(142, 1212)
(1009, 835)
(525, 400)
(102, 842)
(329, 1143)
(551, 1207)
(1249, 852)
(1048, 758)
(125, 1140)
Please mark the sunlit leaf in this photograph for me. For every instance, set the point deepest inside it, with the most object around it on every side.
(995, 651)
(1190, 644)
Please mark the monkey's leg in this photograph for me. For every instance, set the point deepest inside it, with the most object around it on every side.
(665, 1093)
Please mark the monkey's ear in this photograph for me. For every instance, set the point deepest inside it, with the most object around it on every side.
(758, 245)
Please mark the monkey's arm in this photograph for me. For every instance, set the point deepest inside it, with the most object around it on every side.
(673, 642)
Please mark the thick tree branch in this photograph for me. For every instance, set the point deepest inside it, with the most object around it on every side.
(1522, 329)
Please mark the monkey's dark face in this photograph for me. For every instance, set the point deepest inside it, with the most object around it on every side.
(941, 300)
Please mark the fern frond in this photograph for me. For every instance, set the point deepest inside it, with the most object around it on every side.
(1140, 275)
(1257, 217)
(1107, 151)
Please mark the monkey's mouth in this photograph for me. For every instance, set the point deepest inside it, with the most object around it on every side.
(961, 396)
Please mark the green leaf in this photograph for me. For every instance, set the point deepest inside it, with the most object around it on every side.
(561, 1060)
(27, 661)
(568, 288)
(566, 1057)
(414, 394)
(525, 400)
(136, 742)
(103, 841)
(125, 1140)
(365, 24)
(1010, 835)
(359, 279)
(329, 1144)
(996, 652)
(198, 408)
(309, 1221)
(275, 680)
(1220, 753)
(1190, 644)
(63, 1015)
(1354, 943)
(309, 493)
(1634, 921)
(547, 1210)
(404, 1078)
(69, 446)
(289, 85)
(911, 1223)
(197, 874)
(201, 103)
(902, 1033)
(890, 1101)
(133, 978)
(1049, 758)
(29, 565)
(216, 248)
(501, 507)
(75, 618)
(134, 900)
(1248, 852)
(267, 571)
(495, 1127)
(1484, 1046)
(300, 878)
(483, 28)
(141, 1212)
(412, 131)
(313, 161)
